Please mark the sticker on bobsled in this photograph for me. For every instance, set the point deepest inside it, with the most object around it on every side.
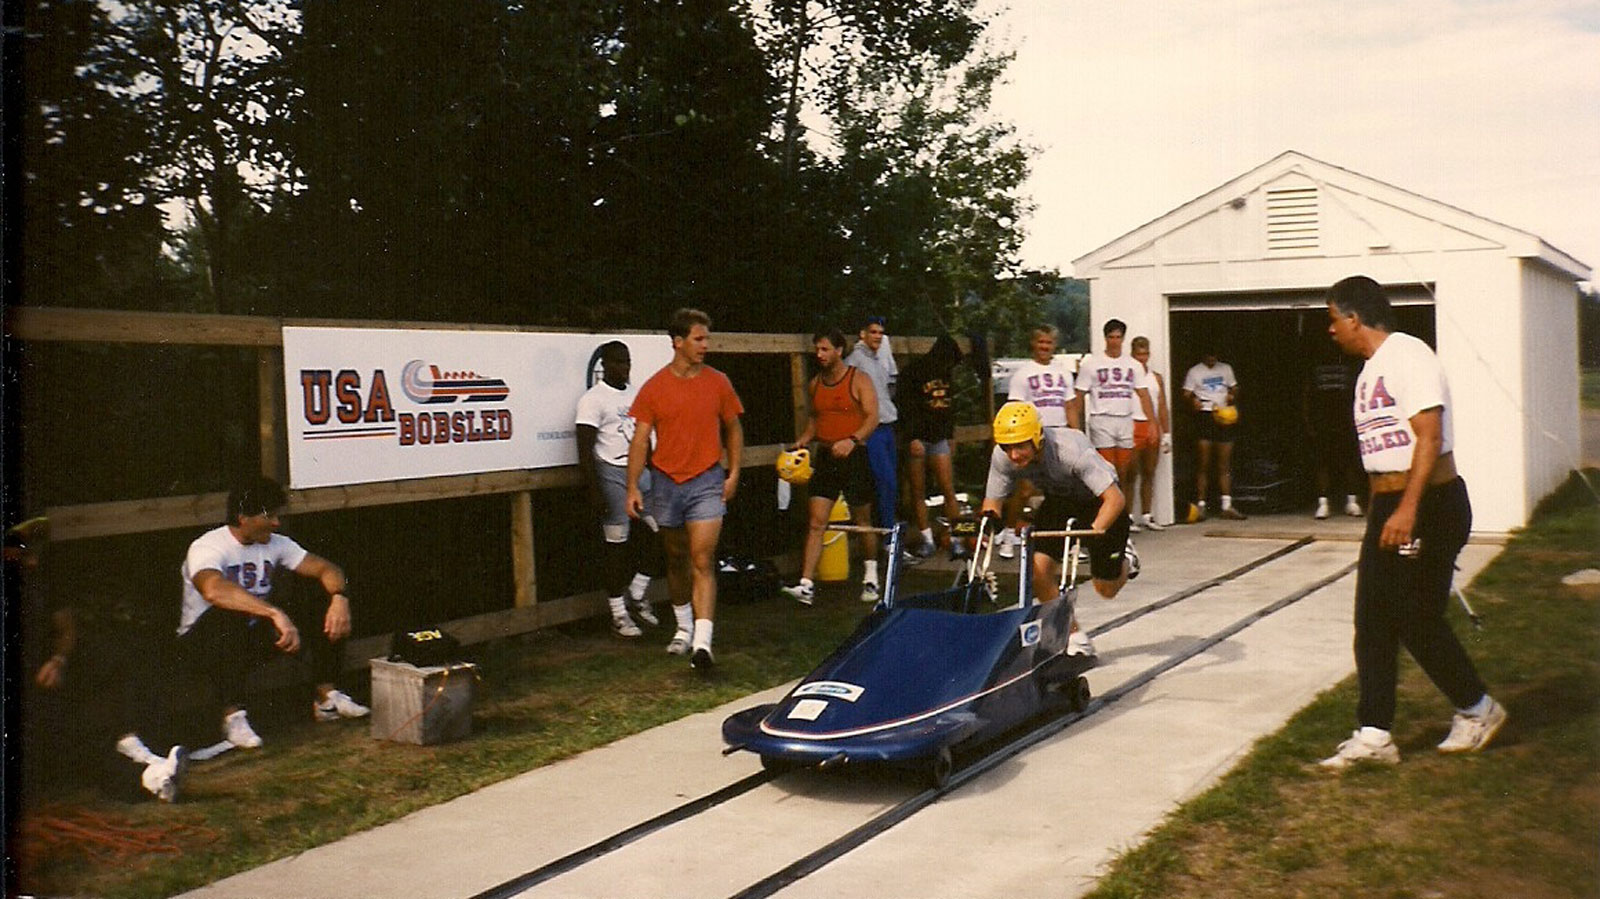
(808, 709)
(1029, 632)
(831, 688)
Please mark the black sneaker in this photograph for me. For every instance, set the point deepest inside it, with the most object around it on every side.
(701, 660)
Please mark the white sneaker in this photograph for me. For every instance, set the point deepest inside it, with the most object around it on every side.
(1078, 644)
(1133, 560)
(1150, 523)
(680, 643)
(870, 592)
(163, 777)
(803, 593)
(210, 752)
(1359, 749)
(337, 705)
(239, 732)
(134, 748)
(1351, 507)
(640, 607)
(1006, 543)
(623, 626)
(1134, 527)
(1470, 734)
(1322, 508)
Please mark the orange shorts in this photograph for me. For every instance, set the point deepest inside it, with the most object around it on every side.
(1144, 435)
(1118, 456)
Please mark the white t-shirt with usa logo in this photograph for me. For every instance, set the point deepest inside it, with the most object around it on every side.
(1047, 386)
(1401, 379)
(253, 567)
(1110, 384)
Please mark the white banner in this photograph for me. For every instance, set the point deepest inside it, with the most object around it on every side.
(368, 405)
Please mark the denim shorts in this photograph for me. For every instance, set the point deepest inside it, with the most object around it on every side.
(614, 488)
(698, 499)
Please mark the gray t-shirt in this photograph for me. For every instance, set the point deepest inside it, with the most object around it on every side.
(1066, 466)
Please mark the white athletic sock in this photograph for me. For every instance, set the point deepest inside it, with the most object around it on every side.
(869, 571)
(134, 748)
(1479, 708)
(807, 582)
(1227, 501)
(702, 633)
(619, 609)
(927, 535)
(685, 617)
(641, 583)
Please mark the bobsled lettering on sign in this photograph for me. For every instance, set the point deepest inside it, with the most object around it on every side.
(366, 405)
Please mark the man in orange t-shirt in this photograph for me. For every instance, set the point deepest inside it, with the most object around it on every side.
(693, 411)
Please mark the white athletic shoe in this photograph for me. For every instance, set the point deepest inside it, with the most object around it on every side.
(803, 593)
(1133, 560)
(239, 732)
(1078, 644)
(1322, 508)
(1150, 523)
(1360, 749)
(623, 626)
(1134, 527)
(870, 592)
(1471, 733)
(134, 748)
(163, 777)
(337, 705)
(680, 643)
(640, 608)
(702, 660)
(1006, 543)
(1351, 507)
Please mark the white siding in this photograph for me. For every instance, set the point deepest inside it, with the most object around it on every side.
(1551, 417)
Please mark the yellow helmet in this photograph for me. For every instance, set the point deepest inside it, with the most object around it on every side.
(1018, 422)
(1225, 415)
(794, 465)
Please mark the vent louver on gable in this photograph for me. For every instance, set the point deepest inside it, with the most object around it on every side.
(1292, 219)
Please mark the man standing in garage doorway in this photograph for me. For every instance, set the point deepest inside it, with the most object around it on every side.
(1210, 390)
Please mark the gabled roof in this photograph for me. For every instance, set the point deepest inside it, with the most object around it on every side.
(1518, 243)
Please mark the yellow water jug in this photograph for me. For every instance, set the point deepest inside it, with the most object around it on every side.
(834, 563)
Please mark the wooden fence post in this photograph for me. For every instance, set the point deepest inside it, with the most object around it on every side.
(524, 572)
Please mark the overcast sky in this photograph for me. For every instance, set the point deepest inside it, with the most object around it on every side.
(1491, 106)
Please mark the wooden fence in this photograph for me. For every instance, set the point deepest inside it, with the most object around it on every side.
(265, 334)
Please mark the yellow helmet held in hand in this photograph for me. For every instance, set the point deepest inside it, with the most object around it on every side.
(1225, 415)
(1018, 422)
(794, 465)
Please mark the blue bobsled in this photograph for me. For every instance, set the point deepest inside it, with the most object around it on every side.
(924, 677)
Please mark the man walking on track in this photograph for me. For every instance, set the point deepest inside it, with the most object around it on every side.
(693, 411)
(1418, 521)
(843, 407)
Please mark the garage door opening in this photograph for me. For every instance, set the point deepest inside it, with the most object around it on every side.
(1272, 341)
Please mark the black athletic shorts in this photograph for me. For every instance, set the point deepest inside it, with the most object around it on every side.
(1105, 551)
(851, 475)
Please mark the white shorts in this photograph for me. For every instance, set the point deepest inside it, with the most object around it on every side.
(1111, 431)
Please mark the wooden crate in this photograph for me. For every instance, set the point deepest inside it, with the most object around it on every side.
(422, 705)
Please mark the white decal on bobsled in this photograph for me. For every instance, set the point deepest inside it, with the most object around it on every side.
(808, 709)
(831, 688)
(1029, 632)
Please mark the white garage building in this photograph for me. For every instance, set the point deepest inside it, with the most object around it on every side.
(1242, 270)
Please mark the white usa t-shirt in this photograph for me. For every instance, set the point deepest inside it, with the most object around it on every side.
(1401, 379)
(253, 567)
(605, 408)
(1047, 386)
(1110, 384)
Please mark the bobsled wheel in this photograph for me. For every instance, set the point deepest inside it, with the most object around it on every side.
(778, 765)
(940, 767)
(1080, 694)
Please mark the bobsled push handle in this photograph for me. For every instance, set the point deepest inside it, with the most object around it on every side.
(1071, 532)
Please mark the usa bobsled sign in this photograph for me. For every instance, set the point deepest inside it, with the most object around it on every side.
(367, 405)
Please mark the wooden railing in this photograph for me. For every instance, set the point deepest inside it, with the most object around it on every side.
(265, 334)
